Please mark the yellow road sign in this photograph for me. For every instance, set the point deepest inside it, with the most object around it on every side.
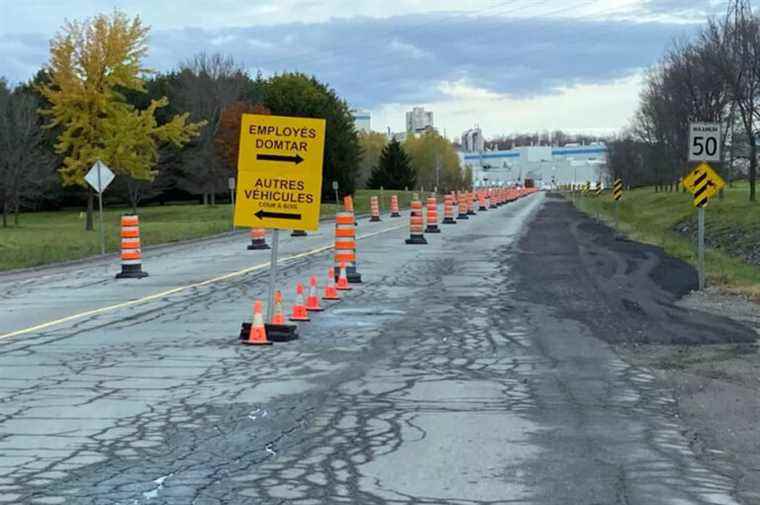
(704, 183)
(617, 189)
(279, 182)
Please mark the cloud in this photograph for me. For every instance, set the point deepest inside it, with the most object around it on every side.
(415, 59)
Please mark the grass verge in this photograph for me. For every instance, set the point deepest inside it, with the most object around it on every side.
(731, 227)
(51, 237)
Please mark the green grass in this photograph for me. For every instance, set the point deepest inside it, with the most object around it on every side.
(732, 225)
(49, 237)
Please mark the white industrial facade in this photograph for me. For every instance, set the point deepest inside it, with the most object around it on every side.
(547, 165)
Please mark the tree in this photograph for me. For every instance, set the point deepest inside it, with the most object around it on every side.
(295, 94)
(393, 170)
(372, 145)
(435, 162)
(205, 85)
(92, 64)
(26, 164)
(227, 140)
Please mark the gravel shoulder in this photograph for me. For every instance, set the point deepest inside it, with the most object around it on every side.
(717, 388)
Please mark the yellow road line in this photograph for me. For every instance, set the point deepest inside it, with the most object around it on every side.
(179, 289)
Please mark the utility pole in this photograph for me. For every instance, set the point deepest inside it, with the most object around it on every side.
(437, 170)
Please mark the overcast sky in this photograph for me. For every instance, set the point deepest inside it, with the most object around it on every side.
(524, 65)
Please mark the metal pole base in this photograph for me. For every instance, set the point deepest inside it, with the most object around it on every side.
(298, 233)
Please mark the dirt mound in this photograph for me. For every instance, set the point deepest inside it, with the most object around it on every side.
(624, 291)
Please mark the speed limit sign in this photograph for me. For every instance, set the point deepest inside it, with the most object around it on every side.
(704, 142)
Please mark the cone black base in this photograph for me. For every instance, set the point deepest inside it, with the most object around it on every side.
(258, 245)
(298, 233)
(281, 332)
(449, 220)
(131, 272)
(416, 239)
(432, 229)
(245, 331)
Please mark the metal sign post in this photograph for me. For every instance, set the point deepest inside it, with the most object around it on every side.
(337, 199)
(272, 274)
(99, 177)
(701, 247)
(100, 212)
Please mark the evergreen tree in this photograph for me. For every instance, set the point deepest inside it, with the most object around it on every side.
(394, 171)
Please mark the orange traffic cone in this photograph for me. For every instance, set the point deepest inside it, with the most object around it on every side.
(342, 279)
(331, 292)
(299, 308)
(258, 333)
(277, 316)
(312, 301)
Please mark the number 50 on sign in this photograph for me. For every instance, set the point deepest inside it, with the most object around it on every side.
(704, 142)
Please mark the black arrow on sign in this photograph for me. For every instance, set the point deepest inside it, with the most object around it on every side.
(261, 214)
(277, 157)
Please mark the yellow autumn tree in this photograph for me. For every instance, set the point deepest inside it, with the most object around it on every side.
(92, 63)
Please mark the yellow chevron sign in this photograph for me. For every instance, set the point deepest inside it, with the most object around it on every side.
(617, 189)
(704, 183)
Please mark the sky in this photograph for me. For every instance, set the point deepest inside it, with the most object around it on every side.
(523, 65)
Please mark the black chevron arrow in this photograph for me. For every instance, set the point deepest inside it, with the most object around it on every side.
(278, 157)
(261, 214)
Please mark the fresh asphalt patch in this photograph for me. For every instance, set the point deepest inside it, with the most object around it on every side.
(624, 291)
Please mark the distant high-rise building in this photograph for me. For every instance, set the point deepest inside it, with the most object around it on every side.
(473, 141)
(419, 120)
(362, 120)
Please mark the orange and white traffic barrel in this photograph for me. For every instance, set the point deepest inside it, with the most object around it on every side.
(462, 206)
(258, 239)
(131, 254)
(394, 206)
(416, 222)
(374, 208)
(432, 216)
(491, 197)
(345, 245)
(448, 210)
(471, 203)
(482, 205)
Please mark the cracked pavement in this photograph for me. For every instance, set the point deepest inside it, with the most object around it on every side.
(437, 381)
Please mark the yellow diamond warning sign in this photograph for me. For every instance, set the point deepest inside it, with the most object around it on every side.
(279, 172)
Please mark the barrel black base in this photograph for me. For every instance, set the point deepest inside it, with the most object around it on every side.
(298, 233)
(449, 220)
(432, 229)
(416, 239)
(374, 219)
(472, 213)
(482, 209)
(258, 244)
(463, 216)
(395, 214)
(131, 272)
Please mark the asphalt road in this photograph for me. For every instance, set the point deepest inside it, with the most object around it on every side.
(449, 377)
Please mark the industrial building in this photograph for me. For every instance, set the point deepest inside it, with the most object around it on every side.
(547, 165)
